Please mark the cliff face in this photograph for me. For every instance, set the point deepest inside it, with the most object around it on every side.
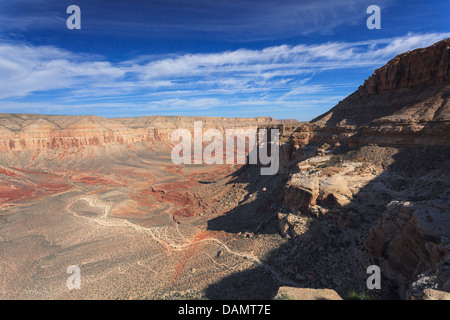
(392, 187)
(404, 103)
(428, 66)
(39, 132)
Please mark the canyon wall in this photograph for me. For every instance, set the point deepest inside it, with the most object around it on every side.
(412, 86)
(19, 132)
(404, 103)
(381, 156)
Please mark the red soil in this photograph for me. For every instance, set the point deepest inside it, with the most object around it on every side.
(179, 269)
(19, 193)
(174, 169)
(31, 185)
(8, 172)
(54, 187)
(202, 235)
(28, 171)
(190, 253)
(89, 180)
(15, 194)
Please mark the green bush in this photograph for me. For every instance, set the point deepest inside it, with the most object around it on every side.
(353, 295)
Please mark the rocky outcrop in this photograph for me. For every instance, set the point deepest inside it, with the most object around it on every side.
(395, 199)
(431, 294)
(291, 293)
(413, 84)
(411, 237)
(430, 66)
(404, 103)
(301, 192)
(320, 186)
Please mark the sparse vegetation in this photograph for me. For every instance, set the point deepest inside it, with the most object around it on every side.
(284, 296)
(354, 295)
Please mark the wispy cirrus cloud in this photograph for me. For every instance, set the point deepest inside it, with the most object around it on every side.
(233, 20)
(277, 77)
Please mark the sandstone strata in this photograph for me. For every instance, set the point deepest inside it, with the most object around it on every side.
(404, 103)
(40, 132)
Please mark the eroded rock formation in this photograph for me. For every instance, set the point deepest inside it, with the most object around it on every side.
(378, 163)
(40, 132)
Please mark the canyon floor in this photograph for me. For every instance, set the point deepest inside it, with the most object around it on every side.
(136, 225)
(140, 227)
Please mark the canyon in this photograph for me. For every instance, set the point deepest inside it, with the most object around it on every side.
(366, 183)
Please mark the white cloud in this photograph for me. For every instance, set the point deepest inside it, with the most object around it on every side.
(282, 75)
(234, 20)
(29, 69)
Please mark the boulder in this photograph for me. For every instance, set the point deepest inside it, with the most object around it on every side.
(292, 293)
(431, 294)
(301, 193)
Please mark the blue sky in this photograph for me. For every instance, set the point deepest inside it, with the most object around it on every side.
(285, 59)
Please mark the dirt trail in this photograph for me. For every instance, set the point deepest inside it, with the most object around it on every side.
(171, 237)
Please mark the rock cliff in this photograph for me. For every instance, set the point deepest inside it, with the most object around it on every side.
(413, 87)
(377, 164)
(19, 132)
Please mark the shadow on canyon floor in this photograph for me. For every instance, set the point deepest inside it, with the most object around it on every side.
(257, 208)
(331, 252)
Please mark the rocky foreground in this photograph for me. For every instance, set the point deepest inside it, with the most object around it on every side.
(367, 183)
(376, 169)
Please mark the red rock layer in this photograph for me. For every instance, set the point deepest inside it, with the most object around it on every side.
(39, 132)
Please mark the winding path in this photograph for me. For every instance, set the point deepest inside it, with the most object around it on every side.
(159, 234)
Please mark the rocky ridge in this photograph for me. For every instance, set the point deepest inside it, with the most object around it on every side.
(377, 165)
